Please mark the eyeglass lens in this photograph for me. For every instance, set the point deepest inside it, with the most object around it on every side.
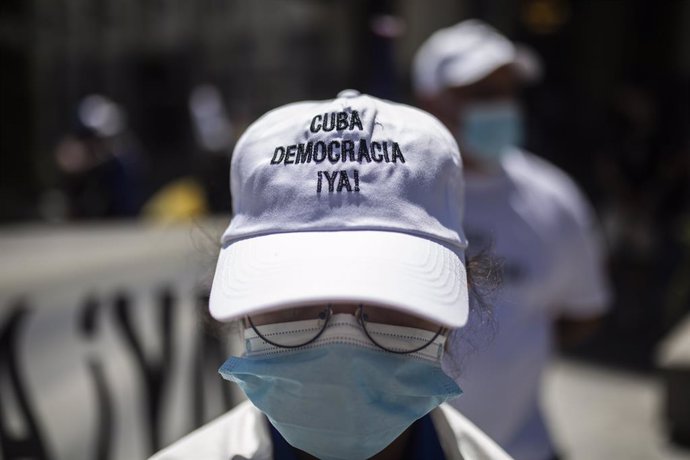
(375, 321)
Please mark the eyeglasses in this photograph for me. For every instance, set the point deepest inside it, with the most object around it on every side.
(373, 320)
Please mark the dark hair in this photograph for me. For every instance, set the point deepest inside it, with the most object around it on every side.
(207, 247)
(484, 278)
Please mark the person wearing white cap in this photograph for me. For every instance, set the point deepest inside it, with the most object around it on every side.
(344, 262)
(530, 214)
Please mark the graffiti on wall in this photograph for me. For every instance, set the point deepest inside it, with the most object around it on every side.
(113, 376)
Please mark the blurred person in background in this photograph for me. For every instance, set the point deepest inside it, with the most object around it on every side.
(344, 262)
(100, 164)
(644, 168)
(215, 134)
(530, 214)
(202, 192)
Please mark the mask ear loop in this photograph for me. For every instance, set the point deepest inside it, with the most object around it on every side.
(360, 318)
(329, 313)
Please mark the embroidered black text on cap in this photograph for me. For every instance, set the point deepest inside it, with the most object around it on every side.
(338, 151)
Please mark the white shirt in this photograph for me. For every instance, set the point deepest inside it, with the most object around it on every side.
(244, 434)
(540, 226)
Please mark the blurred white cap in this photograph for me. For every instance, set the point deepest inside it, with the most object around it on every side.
(102, 115)
(464, 54)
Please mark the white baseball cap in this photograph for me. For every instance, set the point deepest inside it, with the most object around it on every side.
(464, 54)
(355, 200)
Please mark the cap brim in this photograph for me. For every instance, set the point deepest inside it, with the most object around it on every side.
(524, 62)
(409, 273)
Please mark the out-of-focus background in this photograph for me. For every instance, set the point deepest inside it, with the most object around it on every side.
(117, 119)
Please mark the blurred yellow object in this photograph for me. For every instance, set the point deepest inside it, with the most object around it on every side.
(545, 16)
(180, 201)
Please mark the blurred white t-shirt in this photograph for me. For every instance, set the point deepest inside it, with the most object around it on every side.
(538, 223)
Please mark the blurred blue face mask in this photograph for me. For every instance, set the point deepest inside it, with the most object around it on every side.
(488, 130)
(341, 397)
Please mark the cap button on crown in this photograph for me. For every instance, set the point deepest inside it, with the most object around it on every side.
(348, 93)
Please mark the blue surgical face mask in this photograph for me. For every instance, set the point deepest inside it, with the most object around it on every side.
(488, 130)
(341, 397)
